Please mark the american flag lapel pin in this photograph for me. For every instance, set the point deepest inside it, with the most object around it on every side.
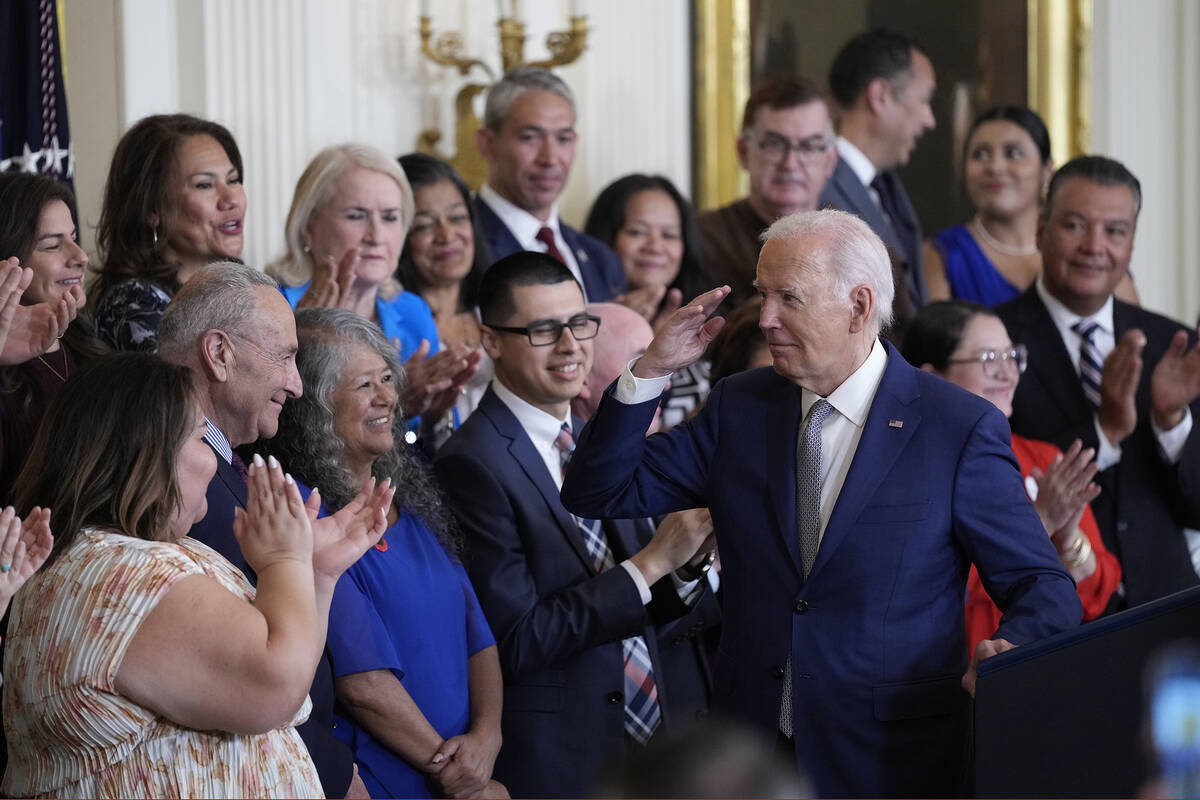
(895, 423)
(581, 255)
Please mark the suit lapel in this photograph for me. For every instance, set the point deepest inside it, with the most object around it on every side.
(783, 426)
(499, 238)
(229, 476)
(1049, 363)
(878, 447)
(530, 463)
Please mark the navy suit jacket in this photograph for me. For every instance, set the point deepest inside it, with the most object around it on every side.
(845, 191)
(876, 633)
(558, 623)
(335, 762)
(1144, 502)
(603, 275)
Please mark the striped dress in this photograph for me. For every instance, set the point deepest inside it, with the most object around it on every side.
(71, 735)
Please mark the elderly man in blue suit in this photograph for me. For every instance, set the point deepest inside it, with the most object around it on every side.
(850, 493)
(528, 140)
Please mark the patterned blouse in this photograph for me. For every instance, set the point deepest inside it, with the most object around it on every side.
(127, 315)
(70, 734)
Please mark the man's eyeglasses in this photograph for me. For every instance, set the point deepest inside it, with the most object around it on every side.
(995, 362)
(778, 148)
(547, 332)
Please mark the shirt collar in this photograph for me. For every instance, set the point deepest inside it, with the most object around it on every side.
(541, 428)
(853, 398)
(857, 161)
(523, 225)
(1065, 319)
(213, 435)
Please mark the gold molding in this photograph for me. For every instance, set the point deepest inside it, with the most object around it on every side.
(722, 83)
(1060, 63)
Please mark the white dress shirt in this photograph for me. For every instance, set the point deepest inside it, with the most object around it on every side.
(1171, 441)
(860, 165)
(213, 435)
(542, 429)
(525, 226)
(839, 435)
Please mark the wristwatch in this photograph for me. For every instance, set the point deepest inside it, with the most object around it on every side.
(694, 572)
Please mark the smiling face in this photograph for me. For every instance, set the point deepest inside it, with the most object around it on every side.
(1004, 171)
(364, 211)
(784, 185)
(908, 115)
(441, 241)
(650, 243)
(981, 334)
(206, 205)
(194, 469)
(364, 403)
(57, 260)
(1086, 239)
(546, 377)
(263, 375)
(530, 156)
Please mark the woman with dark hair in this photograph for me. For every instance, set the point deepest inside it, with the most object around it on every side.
(968, 345)
(139, 662)
(653, 230)
(994, 257)
(740, 344)
(37, 226)
(444, 255)
(415, 664)
(173, 202)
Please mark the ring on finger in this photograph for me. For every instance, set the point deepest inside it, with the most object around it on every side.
(5, 567)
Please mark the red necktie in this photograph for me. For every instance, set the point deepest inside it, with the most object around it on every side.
(546, 237)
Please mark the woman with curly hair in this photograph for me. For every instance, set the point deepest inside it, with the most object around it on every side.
(415, 665)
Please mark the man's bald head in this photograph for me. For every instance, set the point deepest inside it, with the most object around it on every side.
(623, 335)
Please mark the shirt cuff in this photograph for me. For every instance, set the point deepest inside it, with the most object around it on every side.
(639, 579)
(632, 390)
(1107, 453)
(1170, 443)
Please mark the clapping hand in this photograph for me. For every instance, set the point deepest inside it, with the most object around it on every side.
(275, 525)
(28, 331)
(1175, 382)
(1064, 490)
(331, 282)
(432, 385)
(340, 540)
(1118, 387)
(682, 337)
(24, 546)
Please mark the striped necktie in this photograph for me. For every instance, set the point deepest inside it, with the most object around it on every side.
(1090, 362)
(642, 711)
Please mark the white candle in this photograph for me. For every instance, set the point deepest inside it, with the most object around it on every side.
(577, 9)
(500, 9)
(425, 4)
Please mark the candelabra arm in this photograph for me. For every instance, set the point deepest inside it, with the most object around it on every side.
(565, 46)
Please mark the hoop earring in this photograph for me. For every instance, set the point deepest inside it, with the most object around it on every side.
(154, 233)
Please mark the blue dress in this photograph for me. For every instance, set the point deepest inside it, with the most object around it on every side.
(405, 317)
(407, 607)
(971, 274)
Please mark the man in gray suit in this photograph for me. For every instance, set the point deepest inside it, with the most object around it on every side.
(884, 82)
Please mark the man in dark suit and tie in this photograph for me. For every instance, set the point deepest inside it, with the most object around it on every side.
(236, 332)
(1121, 379)
(884, 82)
(580, 607)
(849, 493)
(528, 140)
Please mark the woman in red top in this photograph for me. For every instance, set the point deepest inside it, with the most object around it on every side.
(968, 345)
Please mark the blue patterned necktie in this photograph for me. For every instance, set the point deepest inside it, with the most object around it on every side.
(808, 522)
(1090, 363)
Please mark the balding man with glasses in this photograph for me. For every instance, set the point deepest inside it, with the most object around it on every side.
(787, 148)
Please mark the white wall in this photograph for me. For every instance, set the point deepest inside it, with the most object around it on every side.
(1146, 113)
(289, 77)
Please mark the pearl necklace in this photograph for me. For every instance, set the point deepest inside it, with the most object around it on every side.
(1001, 247)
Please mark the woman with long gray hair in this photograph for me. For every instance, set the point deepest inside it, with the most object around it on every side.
(415, 665)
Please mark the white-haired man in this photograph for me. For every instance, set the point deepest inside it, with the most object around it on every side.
(849, 493)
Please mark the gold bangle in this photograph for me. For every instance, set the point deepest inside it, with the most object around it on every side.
(1079, 552)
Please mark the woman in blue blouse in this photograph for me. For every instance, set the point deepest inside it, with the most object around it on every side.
(345, 229)
(415, 665)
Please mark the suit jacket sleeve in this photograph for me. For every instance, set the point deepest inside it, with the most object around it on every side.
(534, 628)
(1002, 534)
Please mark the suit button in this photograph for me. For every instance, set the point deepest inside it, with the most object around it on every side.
(1122, 525)
(777, 672)
(800, 607)
(614, 698)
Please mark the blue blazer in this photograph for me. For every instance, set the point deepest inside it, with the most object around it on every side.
(335, 762)
(558, 623)
(845, 191)
(1144, 502)
(876, 633)
(603, 275)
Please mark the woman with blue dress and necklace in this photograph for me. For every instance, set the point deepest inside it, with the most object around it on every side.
(994, 257)
(415, 666)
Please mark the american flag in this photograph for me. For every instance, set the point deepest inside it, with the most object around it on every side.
(34, 135)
